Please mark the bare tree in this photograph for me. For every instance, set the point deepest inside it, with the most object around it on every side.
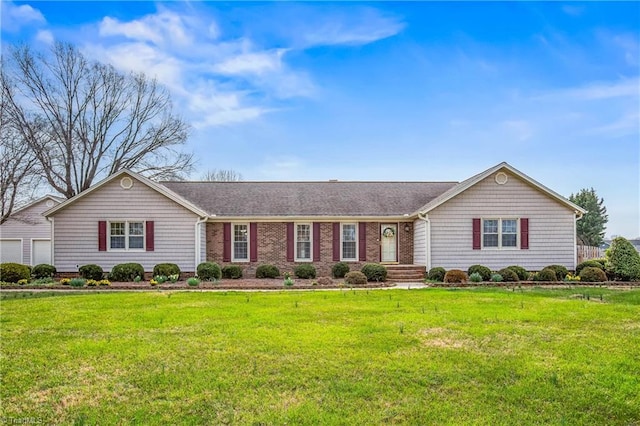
(18, 165)
(216, 175)
(84, 120)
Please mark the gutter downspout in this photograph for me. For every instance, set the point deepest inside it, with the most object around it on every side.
(53, 242)
(577, 216)
(197, 257)
(427, 238)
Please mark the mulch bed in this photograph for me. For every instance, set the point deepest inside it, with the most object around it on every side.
(226, 284)
(545, 284)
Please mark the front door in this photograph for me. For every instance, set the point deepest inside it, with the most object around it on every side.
(388, 242)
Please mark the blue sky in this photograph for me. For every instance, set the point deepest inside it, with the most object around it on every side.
(384, 91)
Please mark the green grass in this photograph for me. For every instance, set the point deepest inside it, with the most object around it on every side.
(437, 356)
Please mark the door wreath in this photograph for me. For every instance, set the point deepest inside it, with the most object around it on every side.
(388, 232)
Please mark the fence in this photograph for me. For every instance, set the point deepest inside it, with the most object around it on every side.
(589, 252)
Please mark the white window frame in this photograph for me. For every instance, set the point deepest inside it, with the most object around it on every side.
(126, 235)
(500, 219)
(295, 242)
(348, 259)
(233, 242)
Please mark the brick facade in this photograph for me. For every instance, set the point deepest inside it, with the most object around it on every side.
(272, 247)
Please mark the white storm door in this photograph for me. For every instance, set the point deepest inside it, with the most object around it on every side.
(388, 242)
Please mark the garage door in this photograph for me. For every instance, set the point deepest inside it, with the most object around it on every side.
(11, 251)
(41, 252)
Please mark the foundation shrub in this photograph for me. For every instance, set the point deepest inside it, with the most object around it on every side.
(374, 272)
(126, 272)
(485, 273)
(233, 272)
(91, 272)
(455, 276)
(267, 271)
(209, 271)
(355, 278)
(436, 274)
(592, 275)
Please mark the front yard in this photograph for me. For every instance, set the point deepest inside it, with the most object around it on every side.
(433, 356)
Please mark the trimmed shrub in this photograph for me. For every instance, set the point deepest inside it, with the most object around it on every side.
(193, 281)
(522, 273)
(485, 273)
(267, 271)
(476, 277)
(588, 264)
(547, 274)
(455, 276)
(592, 274)
(166, 269)
(355, 278)
(91, 272)
(325, 281)
(43, 271)
(374, 272)
(77, 282)
(14, 272)
(126, 272)
(561, 271)
(233, 272)
(496, 278)
(436, 274)
(623, 260)
(508, 275)
(340, 269)
(305, 271)
(209, 271)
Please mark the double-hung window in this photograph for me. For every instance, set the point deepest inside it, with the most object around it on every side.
(240, 241)
(126, 235)
(349, 237)
(303, 242)
(500, 233)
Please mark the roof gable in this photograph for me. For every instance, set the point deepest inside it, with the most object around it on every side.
(54, 199)
(466, 184)
(145, 181)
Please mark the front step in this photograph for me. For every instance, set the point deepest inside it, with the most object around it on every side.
(406, 273)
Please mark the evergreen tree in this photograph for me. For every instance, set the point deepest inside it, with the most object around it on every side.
(591, 227)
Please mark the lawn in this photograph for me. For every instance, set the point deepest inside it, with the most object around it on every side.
(435, 356)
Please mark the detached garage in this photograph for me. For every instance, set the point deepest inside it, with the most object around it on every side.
(26, 236)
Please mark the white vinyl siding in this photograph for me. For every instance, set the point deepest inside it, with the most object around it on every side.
(349, 241)
(76, 228)
(420, 242)
(27, 225)
(240, 242)
(303, 242)
(551, 227)
(11, 251)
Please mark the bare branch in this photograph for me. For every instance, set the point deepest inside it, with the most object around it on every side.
(222, 175)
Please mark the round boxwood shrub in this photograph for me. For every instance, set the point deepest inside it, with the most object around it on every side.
(91, 272)
(355, 278)
(496, 278)
(209, 271)
(588, 264)
(233, 272)
(547, 274)
(437, 274)
(374, 272)
(166, 269)
(14, 272)
(305, 271)
(522, 273)
(561, 271)
(455, 276)
(508, 275)
(340, 269)
(623, 260)
(267, 271)
(43, 271)
(484, 272)
(592, 275)
(126, 272)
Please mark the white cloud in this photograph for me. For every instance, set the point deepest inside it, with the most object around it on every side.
(162, 28)
(628, 87)
(15, 17)
(252, 63)
(45, 36)
(355, 27)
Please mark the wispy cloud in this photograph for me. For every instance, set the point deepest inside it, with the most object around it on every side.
(627, 87)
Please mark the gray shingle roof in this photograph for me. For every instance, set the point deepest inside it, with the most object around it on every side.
(309, 198)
